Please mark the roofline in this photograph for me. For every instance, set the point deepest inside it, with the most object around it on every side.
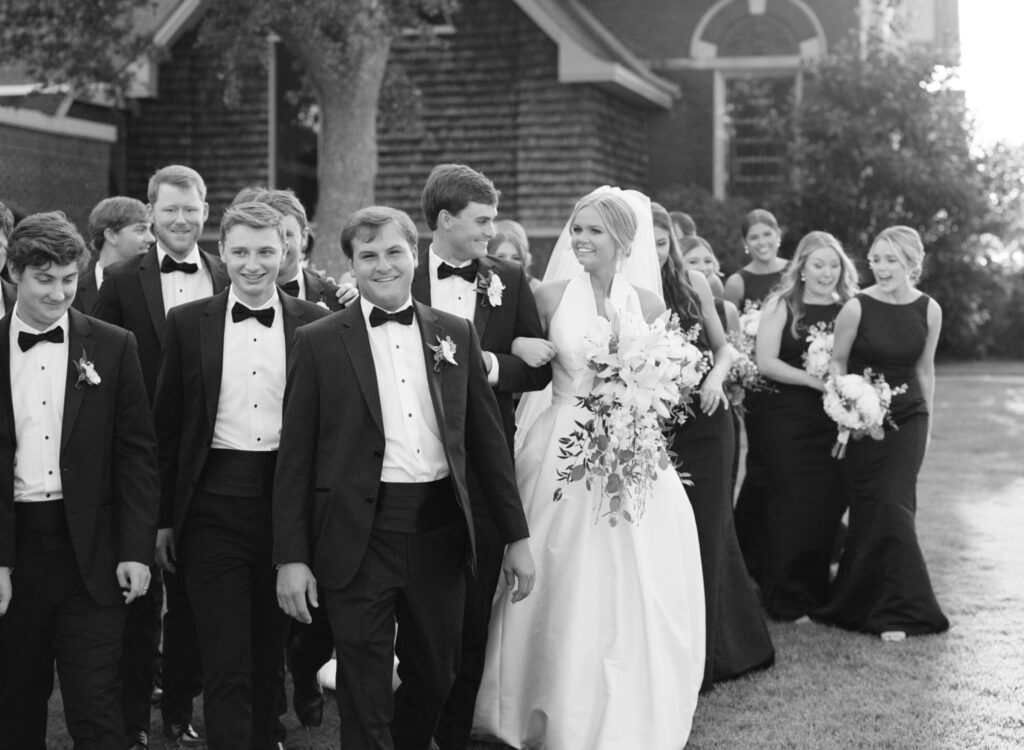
(30, 119)
(578, 64)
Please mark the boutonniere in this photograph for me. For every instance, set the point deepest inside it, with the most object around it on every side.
(444, 352)
(86, 372)
(489, 286)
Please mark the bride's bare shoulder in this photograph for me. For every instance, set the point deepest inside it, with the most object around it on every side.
(549, 295)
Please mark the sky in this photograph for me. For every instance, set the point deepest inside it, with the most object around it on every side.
(990, 45)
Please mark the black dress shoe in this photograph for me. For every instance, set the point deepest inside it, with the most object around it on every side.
(183, 734)
(310, 711)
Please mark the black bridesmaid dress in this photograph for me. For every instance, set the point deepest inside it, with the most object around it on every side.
(883, 583)
(750, 504)
(805, 501)
(737, 636)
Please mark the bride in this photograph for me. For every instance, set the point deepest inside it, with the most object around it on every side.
(608, 652)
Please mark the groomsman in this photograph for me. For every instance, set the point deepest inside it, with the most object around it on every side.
(387, 404)
(8, 292)
(78, 496)
(136, 295)
(456, 275)
(119, 229)
(293, 278)
(218, 407)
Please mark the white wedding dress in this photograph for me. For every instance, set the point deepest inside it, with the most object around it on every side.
(607, 653)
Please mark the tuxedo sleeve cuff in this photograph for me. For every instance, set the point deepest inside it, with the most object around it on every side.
(492, 376)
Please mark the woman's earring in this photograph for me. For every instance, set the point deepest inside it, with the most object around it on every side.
(803, 278)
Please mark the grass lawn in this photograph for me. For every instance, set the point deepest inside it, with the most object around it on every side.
(832, 689)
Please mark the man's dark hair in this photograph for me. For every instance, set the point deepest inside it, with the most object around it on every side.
(179, 176)
(42, 240)
(115, 214)
(366, 224)
(452, 187)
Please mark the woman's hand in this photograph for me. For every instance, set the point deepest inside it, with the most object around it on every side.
(534, 352)
(712, 393)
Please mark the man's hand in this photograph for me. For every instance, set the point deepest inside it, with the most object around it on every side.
(518, 564)
(166, 556)
(347, 292)
(5, 590)
(133, 576)
(534, 352)
(295, 583)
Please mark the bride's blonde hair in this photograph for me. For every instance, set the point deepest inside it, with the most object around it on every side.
(617, 216)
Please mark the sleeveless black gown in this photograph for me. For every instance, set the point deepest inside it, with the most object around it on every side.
(737, 636)
(883, 583)
(805, 501)
(750, 504)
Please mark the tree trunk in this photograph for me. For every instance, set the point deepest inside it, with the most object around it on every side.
(347, 158)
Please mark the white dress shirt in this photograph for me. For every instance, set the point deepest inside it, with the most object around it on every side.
(457, 296)
(38, 384)
(252, 382)
(98, 272)
(179, 287)
(413, 451)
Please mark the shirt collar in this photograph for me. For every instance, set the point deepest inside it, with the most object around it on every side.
(274, 302)
(193, 256)
(434, 260)
(18, 325)
(368, 306)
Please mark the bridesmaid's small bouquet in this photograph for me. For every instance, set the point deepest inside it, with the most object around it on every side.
(859, 405)
(744, 377)
(643, 376)
(818, 357)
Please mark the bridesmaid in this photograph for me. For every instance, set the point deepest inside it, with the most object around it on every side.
(737, 637)
(805, 497)
(751, 284)
(698, 256)
(883, 585)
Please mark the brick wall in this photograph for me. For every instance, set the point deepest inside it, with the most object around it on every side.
(188, 123)
(47, 172)
(491, 99)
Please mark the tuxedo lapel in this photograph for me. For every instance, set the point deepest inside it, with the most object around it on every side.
(211, 352)
(432, 332)
(421, 279)
(5, 376)
(482, 308)
(218, 274)
(80, 345)
(357, 341)
(149, 278)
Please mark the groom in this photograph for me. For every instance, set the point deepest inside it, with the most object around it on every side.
(456, 275)
(386, 406)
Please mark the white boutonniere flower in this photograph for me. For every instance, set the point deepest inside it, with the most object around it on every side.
(489, 286)
(444, 352)
(86, 372)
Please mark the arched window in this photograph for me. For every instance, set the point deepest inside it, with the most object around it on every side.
(754, 48)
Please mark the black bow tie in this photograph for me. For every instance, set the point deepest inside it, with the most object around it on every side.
(379, 317)
(240, 312)
(170, 265)
(291, 287)
(467, 272)
(27, 340)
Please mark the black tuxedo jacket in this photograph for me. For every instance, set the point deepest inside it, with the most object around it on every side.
(332, 441)
(188, 390)
(497, 327)
(10, 293)
(85, 297)
(321, 290)
(132, 297)
(108, 458)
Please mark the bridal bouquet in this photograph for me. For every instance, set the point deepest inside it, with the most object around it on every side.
(744, 376)
(859, 405)
(643, 375)
(818, 356)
